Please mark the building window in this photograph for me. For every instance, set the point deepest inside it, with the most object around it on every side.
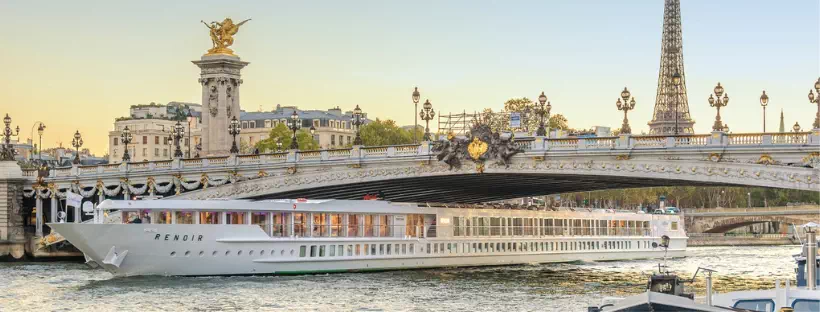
(332, 139)
(145, 150)
(267, 123)
(116, 141)
(348, 139)
(245, 126)
(252, 124)
(316, 123)
(156, 152)
(156, 139)
(144, 139)
(164, 152)
(187, 141)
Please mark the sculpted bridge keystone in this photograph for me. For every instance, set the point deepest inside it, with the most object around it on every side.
(412, 172)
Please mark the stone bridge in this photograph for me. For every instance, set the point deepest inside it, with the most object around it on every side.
(721, 220)
(412, 172)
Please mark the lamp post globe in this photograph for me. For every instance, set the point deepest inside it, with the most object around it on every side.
(676, 80)
(233, 130)
(6, 150)
(764, 101)
(77, 142)
(40, 129)
(294, 124)
(627, 105)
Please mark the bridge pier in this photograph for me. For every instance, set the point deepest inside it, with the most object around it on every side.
(12, 237)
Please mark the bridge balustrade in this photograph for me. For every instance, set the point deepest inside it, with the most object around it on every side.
(623, 142)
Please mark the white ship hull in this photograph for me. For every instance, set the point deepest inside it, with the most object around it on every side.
(196, 249)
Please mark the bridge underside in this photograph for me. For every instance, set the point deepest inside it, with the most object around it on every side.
(476, 188)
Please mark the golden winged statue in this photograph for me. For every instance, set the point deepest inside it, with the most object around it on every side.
(222, 35)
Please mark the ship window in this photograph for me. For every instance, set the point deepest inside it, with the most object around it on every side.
(389, 250)
(412, 249)
(239, 253)
(302, 250)
(806, 305)
(260, 219)
(321, 251)
(227, 252)
(372, 249)
(201, 253)
(366, 249)
(173, 254)
(353, 225)
(674, 226)
(331, 251)
(213, 253)
(756, 305)
(340, 250)
(319, 225)
(349, 250)
(164, 217)
(435, 246)
(291, 252)
(250, 253)
(272, 252)
(234, 217)
(404, 249)
(185, 217)
(456, 226)
(368, 225)
(385, 226)
(312, 251)
(208, 217)
(428, 248)
(358, 249)
(299, 221)
(187, 253)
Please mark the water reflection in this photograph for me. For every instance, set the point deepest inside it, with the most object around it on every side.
(550, 287)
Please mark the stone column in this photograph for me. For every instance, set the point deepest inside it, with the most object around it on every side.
(39, 214)
(12, 237)
(220, 80)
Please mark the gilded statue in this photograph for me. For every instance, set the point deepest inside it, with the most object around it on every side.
(222, 35)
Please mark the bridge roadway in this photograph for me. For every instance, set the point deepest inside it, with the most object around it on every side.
(721, 220)
(412, 173)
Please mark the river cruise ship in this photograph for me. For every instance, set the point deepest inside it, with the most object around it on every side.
(243, 237)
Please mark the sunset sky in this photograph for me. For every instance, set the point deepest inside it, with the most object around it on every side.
(76, 65)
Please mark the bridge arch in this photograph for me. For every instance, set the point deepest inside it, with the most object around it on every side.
(723, 225)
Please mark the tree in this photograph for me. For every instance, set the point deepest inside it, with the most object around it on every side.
(281, 133)
(558, 121)
(529, 120)
(384, 132)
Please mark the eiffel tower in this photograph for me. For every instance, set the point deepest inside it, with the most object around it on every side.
(671, 103)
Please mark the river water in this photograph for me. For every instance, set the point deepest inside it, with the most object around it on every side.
(41, 286)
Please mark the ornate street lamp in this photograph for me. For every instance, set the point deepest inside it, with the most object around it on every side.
(717, 102)
(7, 151)
(416, 96)
(278, 145)
(764, 101)
(626, 106)
(178, 132)
(357, 121)
(294, 124)
(77, 142)
(796, 128)
(427, 113)
(233, 130)
(190, 118)
(816, 100)
(126, 139)
(40, 129)
(170, 141)
(676, 80)
(542, 112)
(312, 131)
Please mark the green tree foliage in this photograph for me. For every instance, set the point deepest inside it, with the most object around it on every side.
(386, 132)
(281, 133)
(692, 197)
(558, 121)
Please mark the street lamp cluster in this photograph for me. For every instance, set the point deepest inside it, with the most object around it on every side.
(125, 137)
(543, 112)
(77, 142)
(426, 113)
(7, 151)
(358, 121)
(816, 100)
(627, 106)
(717, 102)
(178, 132)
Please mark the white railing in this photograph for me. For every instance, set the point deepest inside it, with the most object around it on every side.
(649, 141)
(692, 140)
(745, 139)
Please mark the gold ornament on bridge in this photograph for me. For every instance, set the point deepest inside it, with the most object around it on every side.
(222, 35)
(477, 148)
(765, 159)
